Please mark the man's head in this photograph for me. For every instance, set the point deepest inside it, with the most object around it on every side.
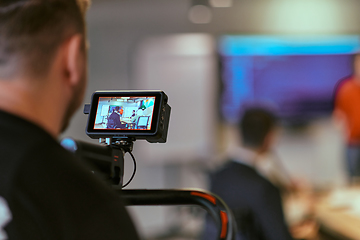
(32, 30)
(39, 38)
(256, 127)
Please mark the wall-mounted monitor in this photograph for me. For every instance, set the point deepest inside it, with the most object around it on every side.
(293, 75)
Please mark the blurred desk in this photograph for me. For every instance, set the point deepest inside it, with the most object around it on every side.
(128, 121)
(338, 214)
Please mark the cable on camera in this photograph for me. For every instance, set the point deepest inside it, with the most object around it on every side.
(134, 171)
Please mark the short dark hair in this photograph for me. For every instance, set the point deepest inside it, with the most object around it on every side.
(255, 125)
(32, 30)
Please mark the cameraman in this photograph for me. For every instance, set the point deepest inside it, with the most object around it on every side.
(44, 192)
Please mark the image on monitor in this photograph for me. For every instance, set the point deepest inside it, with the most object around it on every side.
(124, 113)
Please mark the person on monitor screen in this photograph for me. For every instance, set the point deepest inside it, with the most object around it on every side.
(114, 119)
(347, 112)
(255, 202)
(45, 193)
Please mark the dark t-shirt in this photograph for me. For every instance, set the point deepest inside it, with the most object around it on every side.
(50, 194)
(115, 120)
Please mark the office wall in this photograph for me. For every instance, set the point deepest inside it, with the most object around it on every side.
(116, 27)
(184, 66)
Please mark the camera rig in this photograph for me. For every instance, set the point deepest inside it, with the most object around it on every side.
(106, 160)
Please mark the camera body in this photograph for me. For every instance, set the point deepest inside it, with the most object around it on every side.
(128, 115)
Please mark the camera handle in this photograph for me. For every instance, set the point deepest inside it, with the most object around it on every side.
(214, 205)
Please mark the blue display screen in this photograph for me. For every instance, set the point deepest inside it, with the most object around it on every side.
(293, 75)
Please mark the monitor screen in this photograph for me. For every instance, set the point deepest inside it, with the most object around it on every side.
(293, 75)
(143, 121)
(124, 113)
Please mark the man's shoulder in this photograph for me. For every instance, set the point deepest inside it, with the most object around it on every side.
(235, 168)
(114, 115)
(20, 137)
(27, 149)
(242, 176)
(241, 186)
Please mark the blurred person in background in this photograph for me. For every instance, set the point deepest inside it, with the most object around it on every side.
(45, 193)
(253, 192)
(347, 115)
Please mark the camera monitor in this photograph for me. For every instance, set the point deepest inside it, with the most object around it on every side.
(129, 114)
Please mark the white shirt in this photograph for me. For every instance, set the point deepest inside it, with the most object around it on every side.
(242, 155)
(266, 166)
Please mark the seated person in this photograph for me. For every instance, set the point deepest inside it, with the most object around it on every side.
(134, 118)
(114, 119)
(255, 202)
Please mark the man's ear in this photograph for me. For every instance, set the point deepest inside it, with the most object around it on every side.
(74, 59)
